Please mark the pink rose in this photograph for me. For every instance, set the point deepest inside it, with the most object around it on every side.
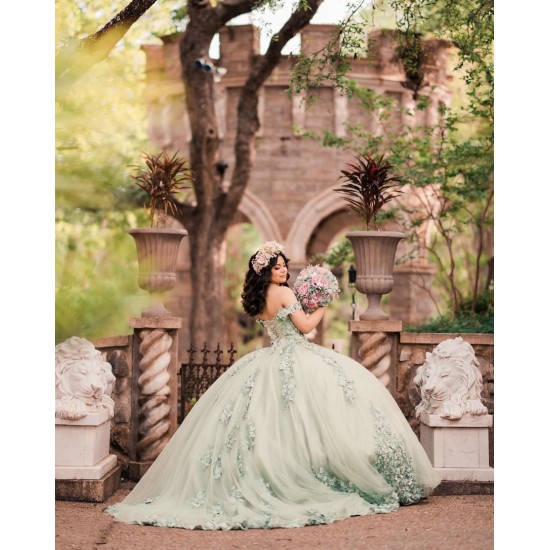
(317, 280)
(302, 289)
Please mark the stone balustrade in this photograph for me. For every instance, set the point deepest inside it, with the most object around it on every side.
(145, 366)
(381, 346)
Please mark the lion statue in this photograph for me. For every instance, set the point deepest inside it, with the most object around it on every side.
(450, 381)
(83, 381)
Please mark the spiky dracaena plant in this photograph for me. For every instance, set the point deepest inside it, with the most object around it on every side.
(162, 177)
(369, 186)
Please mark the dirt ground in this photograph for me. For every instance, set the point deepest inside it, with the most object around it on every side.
(442, 522)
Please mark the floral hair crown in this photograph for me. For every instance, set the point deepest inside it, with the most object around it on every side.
(267, 251)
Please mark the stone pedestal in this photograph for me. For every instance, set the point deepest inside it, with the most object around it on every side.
(137, 469)
(410, 298)
(88, 490)
(374, 345)
(458, 449)
(84, 469)
(154, 389)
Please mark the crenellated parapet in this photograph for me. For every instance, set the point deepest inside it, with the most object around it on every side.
(293, 177)
(382, 71)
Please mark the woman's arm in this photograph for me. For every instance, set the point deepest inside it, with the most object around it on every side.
(304, 323)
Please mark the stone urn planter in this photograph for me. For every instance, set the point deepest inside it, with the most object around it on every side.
(157, 250)
(374, 260)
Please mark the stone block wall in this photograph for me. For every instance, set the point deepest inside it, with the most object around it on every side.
(290, 197)
(117, 350)
(411, 353)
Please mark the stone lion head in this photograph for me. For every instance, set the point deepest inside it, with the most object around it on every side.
(83, 381)
(450, 381)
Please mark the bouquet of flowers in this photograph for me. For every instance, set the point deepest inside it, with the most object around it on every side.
(315, 286)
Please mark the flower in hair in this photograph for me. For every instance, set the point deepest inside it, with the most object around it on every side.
(268, 250)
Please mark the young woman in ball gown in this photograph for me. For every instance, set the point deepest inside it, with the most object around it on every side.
(292, 434)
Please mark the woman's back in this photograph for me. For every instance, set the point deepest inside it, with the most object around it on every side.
(274, 301)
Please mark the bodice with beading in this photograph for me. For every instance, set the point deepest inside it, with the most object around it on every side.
(281, 329)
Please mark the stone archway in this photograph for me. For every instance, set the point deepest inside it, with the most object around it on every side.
(328, 229)
(290, 191)
(325, 217)
(307, 221)
(252, 210)
(258, 214)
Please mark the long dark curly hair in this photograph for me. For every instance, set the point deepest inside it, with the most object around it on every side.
(255, 285)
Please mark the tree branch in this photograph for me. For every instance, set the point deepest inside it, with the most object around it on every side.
(75, 57)
(232, 8)
(248, 123)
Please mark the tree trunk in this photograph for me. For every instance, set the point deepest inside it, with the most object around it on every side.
(205, 245)
(209, 220)
(207, 309)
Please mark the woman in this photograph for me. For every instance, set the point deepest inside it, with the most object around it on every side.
(293, 434)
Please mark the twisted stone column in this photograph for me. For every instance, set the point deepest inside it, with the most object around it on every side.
(375, 354)
(154, 389)
(153, 382)
(374, 345)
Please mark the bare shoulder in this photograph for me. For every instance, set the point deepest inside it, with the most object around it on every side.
(287, 296)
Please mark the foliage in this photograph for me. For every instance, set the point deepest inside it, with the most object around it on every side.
(369, 186)
(96, 274)
(100, 130)
(484, 304)
(162, 178)
(101, 120)
(480, 323)
(480, 318)
(449, 184)
(447, 166)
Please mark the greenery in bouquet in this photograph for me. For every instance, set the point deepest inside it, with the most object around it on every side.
(162, 177)
(368, 186)
(315, 287)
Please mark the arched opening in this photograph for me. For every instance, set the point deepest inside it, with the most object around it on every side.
(252, 225)
(330, 232)
(243, 239)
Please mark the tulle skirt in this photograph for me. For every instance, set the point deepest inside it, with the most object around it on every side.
(289, 436)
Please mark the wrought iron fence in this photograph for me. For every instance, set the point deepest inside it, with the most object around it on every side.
(198, 375)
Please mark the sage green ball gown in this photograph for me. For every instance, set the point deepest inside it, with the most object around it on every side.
(293, 434)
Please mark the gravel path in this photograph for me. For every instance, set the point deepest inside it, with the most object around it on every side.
(449, 522)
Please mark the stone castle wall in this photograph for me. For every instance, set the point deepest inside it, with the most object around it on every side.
(290, 195)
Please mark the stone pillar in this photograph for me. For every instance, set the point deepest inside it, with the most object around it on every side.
(410, 298)
(85, 471)
(298, 111)
(154, 389)
(374, 345)
(316, 37)
(261, 111)
(458, 449)
(341, 115)
(238, 45)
